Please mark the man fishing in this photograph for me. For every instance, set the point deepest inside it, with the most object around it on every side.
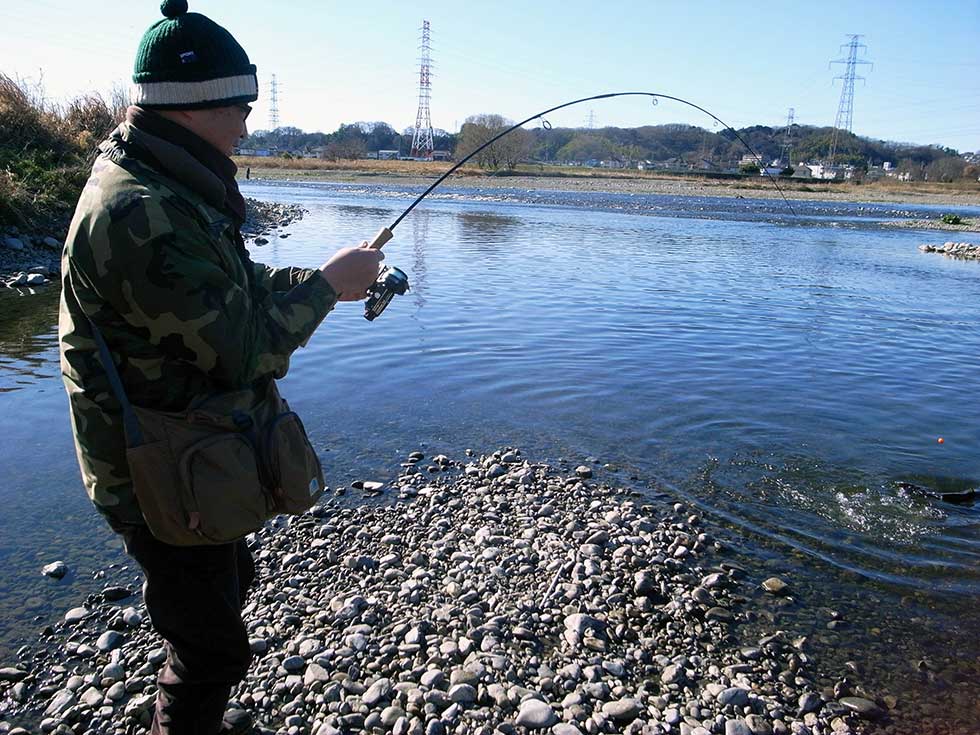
(156, 267)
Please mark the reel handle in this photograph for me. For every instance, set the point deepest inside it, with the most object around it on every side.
(383, 236)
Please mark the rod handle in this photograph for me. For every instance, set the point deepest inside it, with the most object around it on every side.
(383, 236)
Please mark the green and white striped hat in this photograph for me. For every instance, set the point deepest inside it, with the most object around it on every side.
(187, 61)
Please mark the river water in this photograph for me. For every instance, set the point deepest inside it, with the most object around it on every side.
(782, 371)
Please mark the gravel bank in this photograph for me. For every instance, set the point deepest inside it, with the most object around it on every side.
(497, 596)
(970, 224)
(264, 218)
(752, 189)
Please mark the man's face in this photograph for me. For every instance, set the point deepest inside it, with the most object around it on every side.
(226, 127)
(222, 127)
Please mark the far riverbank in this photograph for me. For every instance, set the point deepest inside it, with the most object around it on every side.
(411, 173)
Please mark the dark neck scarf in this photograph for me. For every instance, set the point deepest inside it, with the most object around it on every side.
(206, 154)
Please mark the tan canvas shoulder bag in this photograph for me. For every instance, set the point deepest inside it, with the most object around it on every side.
(217, 471)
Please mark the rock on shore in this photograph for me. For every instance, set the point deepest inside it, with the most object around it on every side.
(962, 250)
(499, 596)
(264, 218)
(27, 260)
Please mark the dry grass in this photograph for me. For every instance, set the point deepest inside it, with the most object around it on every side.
(46, 150)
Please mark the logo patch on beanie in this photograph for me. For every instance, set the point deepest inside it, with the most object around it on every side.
(188, 57)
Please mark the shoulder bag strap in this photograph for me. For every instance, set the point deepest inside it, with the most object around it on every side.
(134, 435)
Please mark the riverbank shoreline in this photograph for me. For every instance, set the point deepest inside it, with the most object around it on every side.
(496, 595)
(760, 188)
(33, 259)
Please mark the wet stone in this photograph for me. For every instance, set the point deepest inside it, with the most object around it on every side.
(775, 586)
(115, 593)
(864, 707)
(11, 673)
(810, 702)
(721, 614)
(55, 570)
(76, 614)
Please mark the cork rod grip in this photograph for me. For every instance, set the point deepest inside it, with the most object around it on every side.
(383, 236)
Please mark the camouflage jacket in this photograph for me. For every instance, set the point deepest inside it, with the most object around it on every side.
(154, 260)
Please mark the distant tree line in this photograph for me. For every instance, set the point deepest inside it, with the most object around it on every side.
(677, 145)
(350, 140)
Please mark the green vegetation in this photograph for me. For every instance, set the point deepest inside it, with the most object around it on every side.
(46, 151)
(951, 219)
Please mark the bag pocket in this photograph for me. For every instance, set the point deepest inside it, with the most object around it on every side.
(159, 492)
(294, 469)
(221, 475)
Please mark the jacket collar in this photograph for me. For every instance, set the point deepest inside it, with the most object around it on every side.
(172, 160)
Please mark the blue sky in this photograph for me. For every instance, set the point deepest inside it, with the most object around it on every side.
(746, 62)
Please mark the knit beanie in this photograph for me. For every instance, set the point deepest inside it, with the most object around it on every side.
(187, 61)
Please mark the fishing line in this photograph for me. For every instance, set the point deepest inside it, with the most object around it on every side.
(385, 235)
(392, 281)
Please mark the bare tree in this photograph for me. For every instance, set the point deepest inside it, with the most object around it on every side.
(506, 152)
(946, 169)
(348, 149)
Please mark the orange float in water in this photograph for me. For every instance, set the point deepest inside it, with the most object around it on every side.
(940, 440)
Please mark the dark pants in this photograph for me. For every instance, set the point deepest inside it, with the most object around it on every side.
(194, 595)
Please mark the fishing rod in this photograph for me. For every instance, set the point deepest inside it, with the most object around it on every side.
(393, 281)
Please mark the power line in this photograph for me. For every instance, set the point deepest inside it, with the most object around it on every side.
(274, 104)
(422, 143)
(845, 108)
(786, 153)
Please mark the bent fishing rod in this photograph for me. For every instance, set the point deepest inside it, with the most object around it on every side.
(392, 281)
